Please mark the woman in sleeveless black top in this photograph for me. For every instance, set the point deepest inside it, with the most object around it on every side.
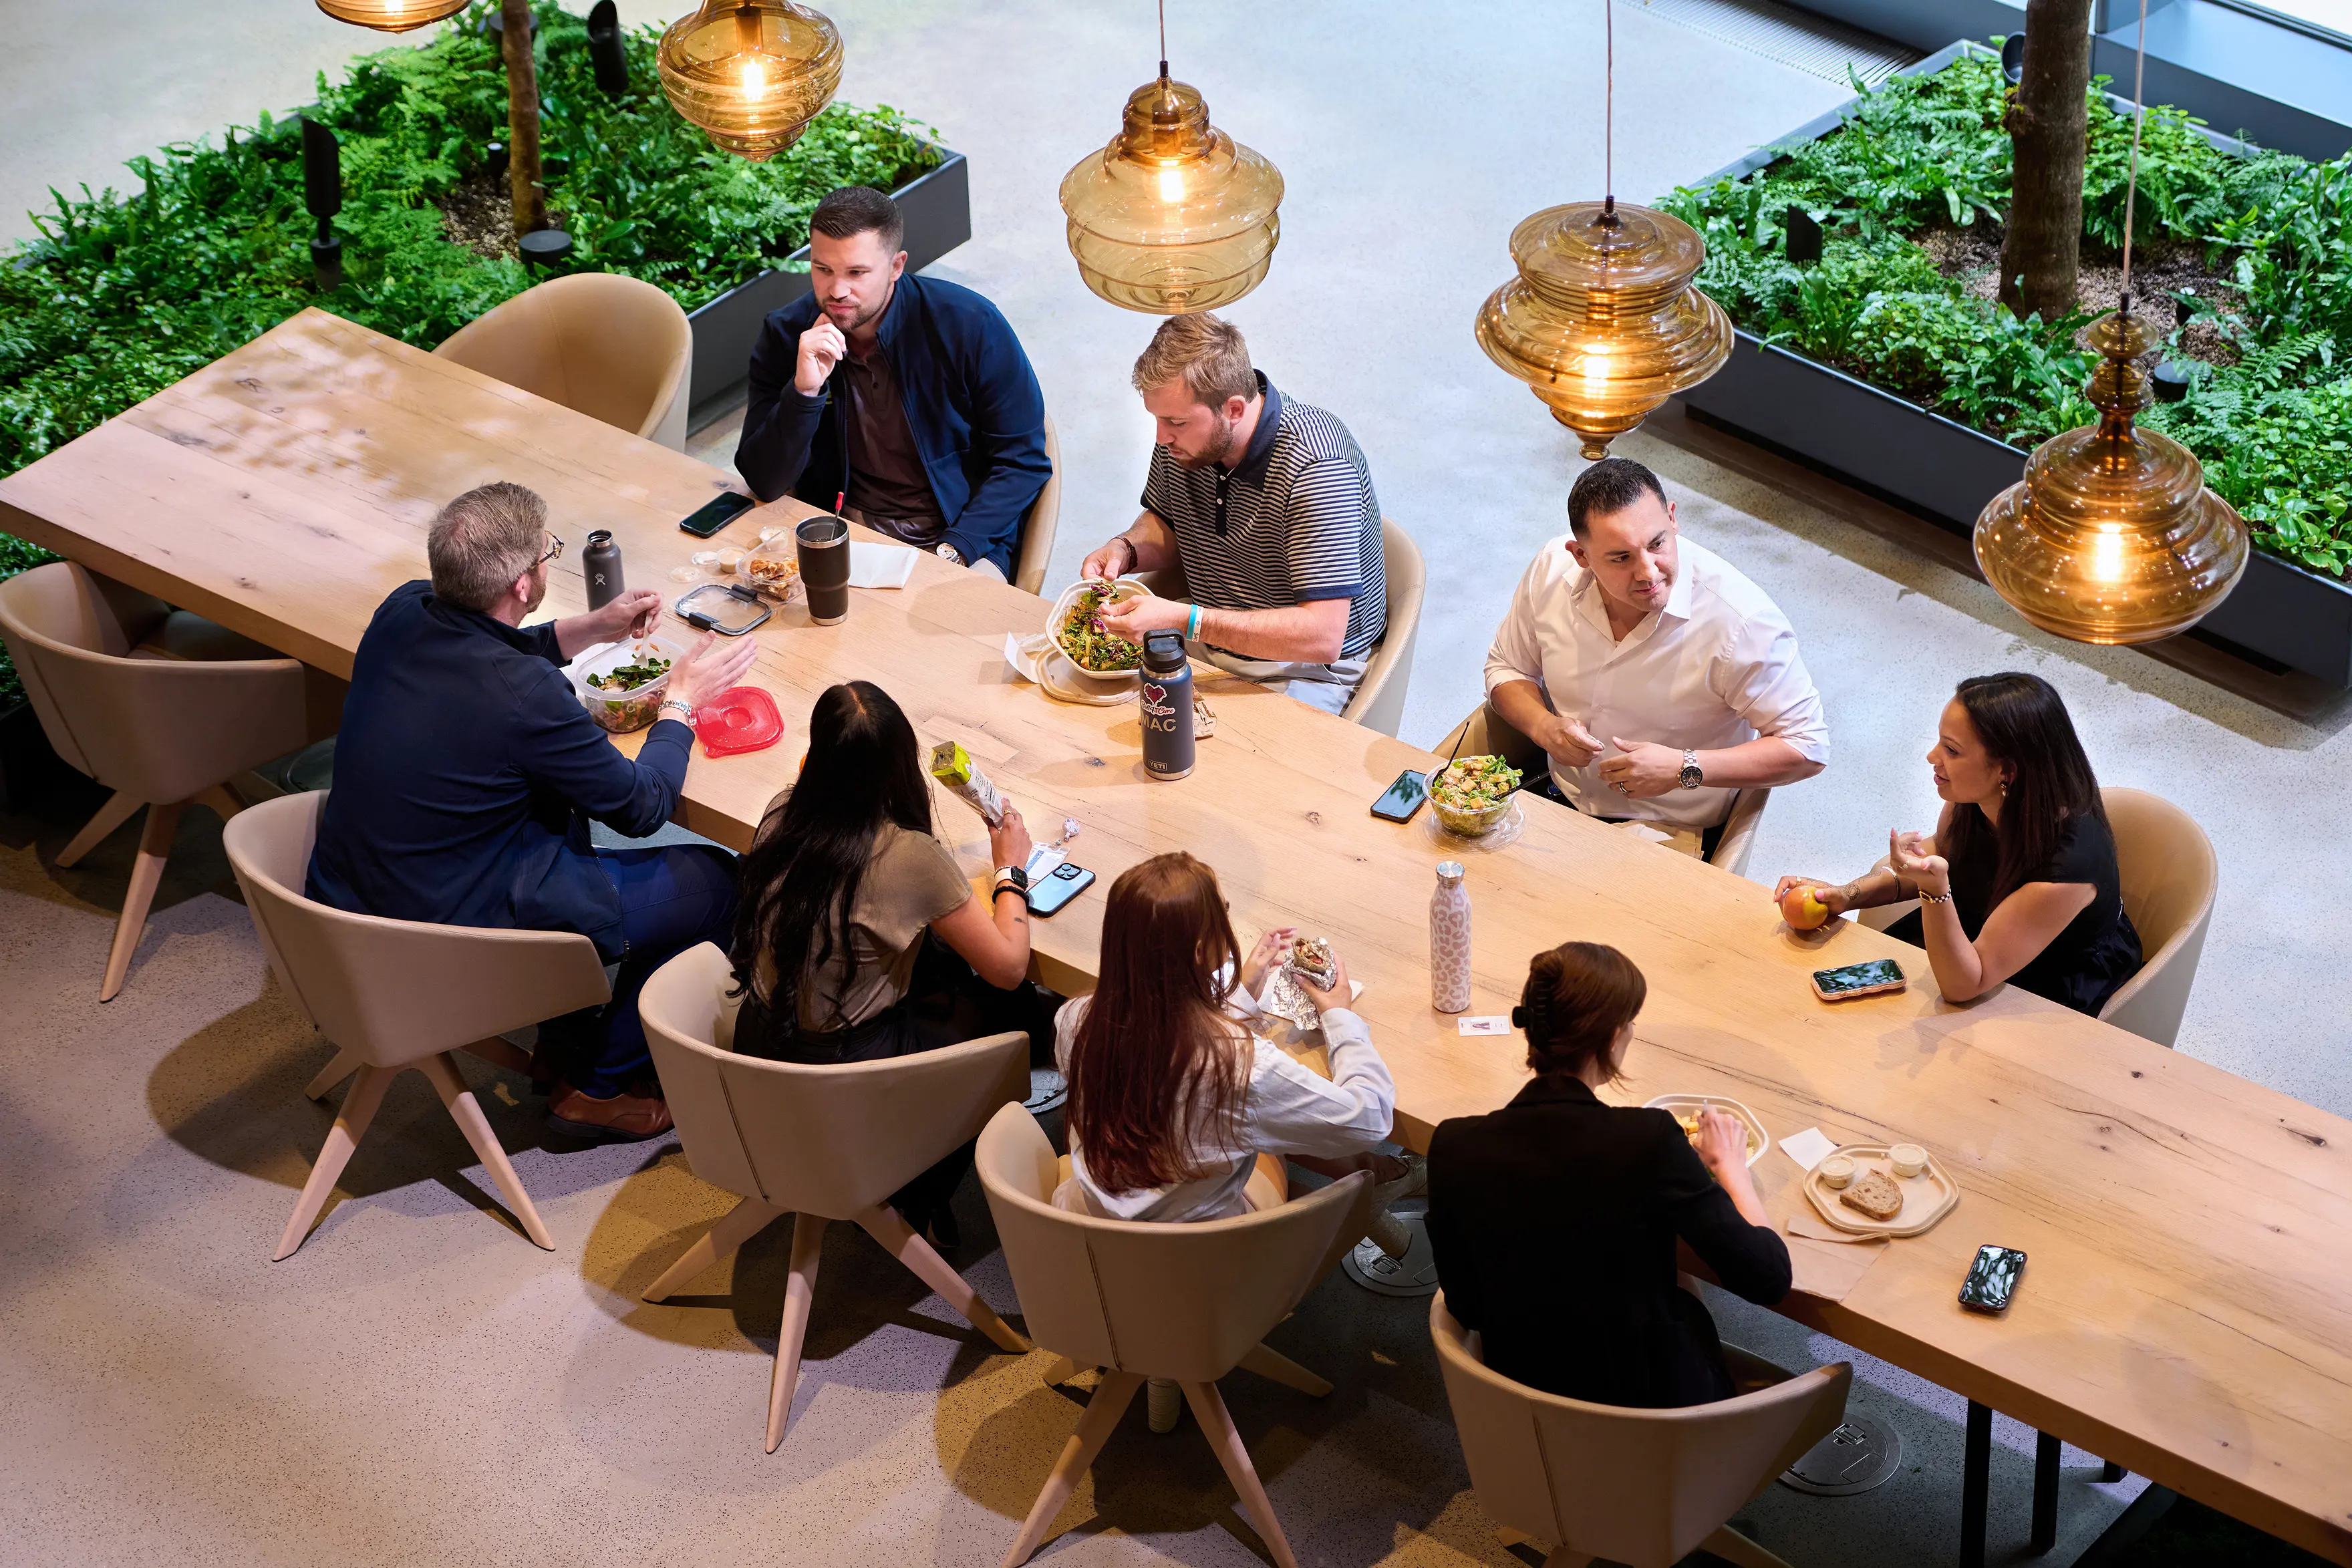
(2019, 882)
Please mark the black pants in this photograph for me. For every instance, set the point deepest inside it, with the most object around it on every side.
(1709, 838)
(946, 1003)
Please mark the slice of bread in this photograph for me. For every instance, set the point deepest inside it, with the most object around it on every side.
(1873, 1193)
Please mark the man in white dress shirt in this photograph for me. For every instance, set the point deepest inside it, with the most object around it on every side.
(1661, 681)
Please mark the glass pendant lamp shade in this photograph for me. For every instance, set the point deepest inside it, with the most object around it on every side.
(751, 73)
(391, 16)
(1602, 320)
(2112, 535)
(1174, 215)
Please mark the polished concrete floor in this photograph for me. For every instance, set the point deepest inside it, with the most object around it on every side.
(420, 1384)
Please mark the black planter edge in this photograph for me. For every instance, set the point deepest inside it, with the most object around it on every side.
(936, 207)
(1946, 472)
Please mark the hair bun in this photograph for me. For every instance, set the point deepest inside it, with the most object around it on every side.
(1519, 1017)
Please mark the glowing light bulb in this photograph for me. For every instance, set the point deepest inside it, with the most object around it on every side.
(2107, 553)
(1171, 184)
(755, 79)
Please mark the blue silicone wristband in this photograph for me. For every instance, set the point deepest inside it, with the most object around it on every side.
(1193, 632)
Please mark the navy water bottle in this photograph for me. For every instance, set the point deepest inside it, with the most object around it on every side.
(1166, 702)
(600, 563)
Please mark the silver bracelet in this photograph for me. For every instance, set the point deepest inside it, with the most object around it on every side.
(669, 703)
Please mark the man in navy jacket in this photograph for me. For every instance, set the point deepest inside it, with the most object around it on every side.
(903, 401)
(467, 772)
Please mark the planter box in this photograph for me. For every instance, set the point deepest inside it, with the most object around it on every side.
(938, 211)
(1947, 472)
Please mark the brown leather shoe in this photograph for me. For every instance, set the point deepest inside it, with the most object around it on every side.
(622, 1118)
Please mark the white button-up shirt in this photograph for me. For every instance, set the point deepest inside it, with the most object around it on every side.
(1717, 666)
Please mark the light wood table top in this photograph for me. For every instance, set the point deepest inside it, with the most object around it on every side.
(2187, 1308)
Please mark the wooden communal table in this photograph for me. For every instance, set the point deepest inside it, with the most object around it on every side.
(2187, 1309)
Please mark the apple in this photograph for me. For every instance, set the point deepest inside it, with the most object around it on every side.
(1801, 910)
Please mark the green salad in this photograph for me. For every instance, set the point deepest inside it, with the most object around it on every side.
(629, 677)
(1089, 643)
(1474, 783)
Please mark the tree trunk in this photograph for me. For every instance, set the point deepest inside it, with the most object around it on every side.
(523, 185)
(2048, 136)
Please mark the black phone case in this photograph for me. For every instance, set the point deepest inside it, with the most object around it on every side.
(1409, 812)
(712, 530)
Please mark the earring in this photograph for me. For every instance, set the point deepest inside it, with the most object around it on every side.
(2004, 788)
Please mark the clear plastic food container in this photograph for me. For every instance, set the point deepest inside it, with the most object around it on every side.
(623, 708)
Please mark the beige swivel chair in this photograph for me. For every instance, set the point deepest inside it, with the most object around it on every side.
(2170, 874)
(160, 706)
(396, 994)
(1486, 733)
(1186, 1302)
(1379, 702)
(1642, 1488)
(818, 1143)
(613, 347)
(1034, 550)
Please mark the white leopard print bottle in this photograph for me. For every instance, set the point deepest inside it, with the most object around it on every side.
(1449, 941)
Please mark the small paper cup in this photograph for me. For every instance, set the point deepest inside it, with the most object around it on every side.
(1909, 1159)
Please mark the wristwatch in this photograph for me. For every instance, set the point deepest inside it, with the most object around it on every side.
(1691, 776)
(949, 553)
(1014, 878)
(685, 711)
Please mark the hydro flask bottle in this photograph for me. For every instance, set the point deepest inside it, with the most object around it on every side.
(600, 563)
(1166, 695)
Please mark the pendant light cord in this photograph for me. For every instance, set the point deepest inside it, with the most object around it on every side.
(1163, 38)
(1608, 108)
(2131, 184)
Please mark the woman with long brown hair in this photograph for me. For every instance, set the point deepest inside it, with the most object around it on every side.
(1172, 1098)
(2019, 882)
(1554, 1220)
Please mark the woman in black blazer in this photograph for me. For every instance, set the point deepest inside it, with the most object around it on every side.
(1554, 1219)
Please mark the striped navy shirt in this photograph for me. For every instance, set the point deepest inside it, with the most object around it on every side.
(1294, 520)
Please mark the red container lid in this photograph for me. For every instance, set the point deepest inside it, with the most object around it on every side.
(742, 718)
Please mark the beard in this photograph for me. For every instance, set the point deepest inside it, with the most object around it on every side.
(537, 590)
(1219, 447)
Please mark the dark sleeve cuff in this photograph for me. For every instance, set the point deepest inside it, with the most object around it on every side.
(543, 642)
(1344, 590)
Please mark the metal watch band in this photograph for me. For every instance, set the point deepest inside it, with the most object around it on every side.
(1691, 777)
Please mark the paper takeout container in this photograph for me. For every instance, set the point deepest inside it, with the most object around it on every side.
(1124, 589)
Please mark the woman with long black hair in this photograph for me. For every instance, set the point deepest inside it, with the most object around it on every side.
(841, 895)
(2019, 882)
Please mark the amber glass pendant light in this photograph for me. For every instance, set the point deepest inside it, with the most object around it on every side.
(750, 74)
(1174, 215)
(1602, 320)
(391, 16)
(2112, 535)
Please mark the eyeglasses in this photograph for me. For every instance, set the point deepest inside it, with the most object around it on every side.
(554, 549)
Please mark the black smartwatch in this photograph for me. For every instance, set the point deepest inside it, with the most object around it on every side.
(1012, 878)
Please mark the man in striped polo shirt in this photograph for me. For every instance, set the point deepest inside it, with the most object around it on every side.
(1267, 506)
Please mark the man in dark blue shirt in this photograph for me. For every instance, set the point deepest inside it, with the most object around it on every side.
(904, 402)
(467, 772)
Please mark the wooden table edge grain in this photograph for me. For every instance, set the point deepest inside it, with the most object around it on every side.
(2188, 1305)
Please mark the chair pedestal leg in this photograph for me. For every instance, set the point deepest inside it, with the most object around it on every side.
(221, 798)
(1277, 1367)
(1102, 1414)
(345, 1063)
(117, 810)
(723, 1240)
(808, 1248)
(1735, 1548)
(154, 848)
(1209, 1409)
(884, 1225)
(351, 1125)
(467, 1112)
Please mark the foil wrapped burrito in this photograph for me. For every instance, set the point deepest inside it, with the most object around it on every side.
(954, 768)
(1284, 998)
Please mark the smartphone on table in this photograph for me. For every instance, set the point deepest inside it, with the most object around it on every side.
(1851, 980)
(716, 514)
(1992, 1279)
(1402, 799)
(1057, 887)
